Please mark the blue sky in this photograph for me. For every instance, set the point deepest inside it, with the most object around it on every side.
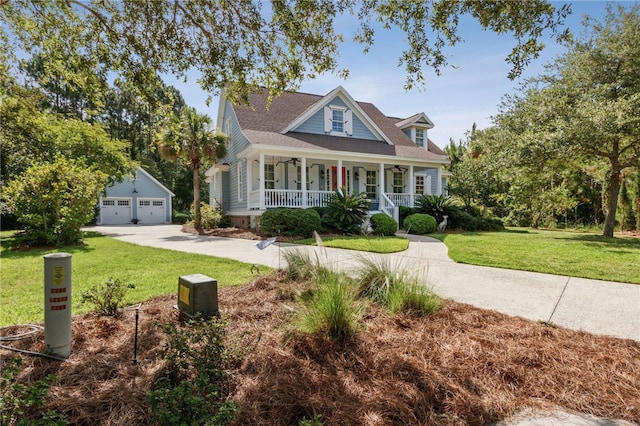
(460, 96)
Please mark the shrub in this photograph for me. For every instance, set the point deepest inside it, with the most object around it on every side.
(192, 390)
(54, 200)
(180, 218)
(491, 224)
(300, 266)
(383, 224)
(346, 212)
(107, 298)
(419, 223)
(403, 212)
(459, 218)
(332, 309)
(16, 399)
(210, 216)
(290, 222)
(434, 205)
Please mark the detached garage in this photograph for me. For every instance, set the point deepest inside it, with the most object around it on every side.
(138, 199)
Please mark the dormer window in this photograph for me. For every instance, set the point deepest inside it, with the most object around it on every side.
(420, 137)
(338, 120)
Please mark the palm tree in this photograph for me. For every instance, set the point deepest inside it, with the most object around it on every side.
(189, 137)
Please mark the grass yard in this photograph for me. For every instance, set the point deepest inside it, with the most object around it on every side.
(555, 252)
(154, 272)
(373, 244)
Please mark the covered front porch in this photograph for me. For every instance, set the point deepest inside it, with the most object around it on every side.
(303, 182)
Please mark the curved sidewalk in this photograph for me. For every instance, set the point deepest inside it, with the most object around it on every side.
(600, 307)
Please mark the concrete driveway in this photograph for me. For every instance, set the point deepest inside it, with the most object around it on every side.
(594, 306)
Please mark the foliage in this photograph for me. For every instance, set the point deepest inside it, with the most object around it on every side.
(180, 218)
(17, 400)
(383, 224)
(403, 212)
(420, 223)
(434, 205)
(636, 198)
(582, 113)
(627, 220)
(211, 216)
(247, 45)
(332, 309)
(28, 136)
(346, 212)
(316, 420)
(188, 136)
(107, 298)
(459, 218)
(395, 288)
(289, 222)
(300, 266)
(193, 389)
(54, 200)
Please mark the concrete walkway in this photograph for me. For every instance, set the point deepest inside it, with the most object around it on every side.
(600, 307)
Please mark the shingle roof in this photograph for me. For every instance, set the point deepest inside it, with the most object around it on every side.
(264, 126)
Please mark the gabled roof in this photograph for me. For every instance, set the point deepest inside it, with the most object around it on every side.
(275, 126)
(420, 120)
(140, 170)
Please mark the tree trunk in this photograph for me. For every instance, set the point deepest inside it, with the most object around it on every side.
(612, 201)
(197, 217)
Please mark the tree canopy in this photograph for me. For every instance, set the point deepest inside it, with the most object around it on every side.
(237, 46)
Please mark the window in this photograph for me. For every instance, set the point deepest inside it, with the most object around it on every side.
(371, 185)
(419, 184)
(420, 137)
(269, 176)
(337, 121)
(398, 183)
(158, 203)
(108, 202)
(144, 203)
(123, 203)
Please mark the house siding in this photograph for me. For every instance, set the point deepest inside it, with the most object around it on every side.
(236, 143)
(315, 124)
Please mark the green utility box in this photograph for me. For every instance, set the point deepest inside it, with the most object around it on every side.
(197, 294)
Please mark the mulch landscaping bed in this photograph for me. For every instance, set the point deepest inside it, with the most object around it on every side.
(460, 366)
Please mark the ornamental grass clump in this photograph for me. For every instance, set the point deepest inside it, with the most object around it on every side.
(332, 309)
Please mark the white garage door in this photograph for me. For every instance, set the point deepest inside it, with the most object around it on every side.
(115, 211)
(151, 210)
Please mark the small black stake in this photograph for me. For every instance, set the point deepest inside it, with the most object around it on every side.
(135, 341)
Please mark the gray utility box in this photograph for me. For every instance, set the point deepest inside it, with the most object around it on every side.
(197, 294)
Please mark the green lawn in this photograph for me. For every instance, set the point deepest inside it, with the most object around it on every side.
(153, 272)
(373, 244)
(555, 252)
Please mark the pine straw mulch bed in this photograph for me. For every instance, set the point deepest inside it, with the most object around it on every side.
(460, 366)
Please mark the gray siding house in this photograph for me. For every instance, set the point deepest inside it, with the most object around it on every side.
(136, 199)
(298, 151)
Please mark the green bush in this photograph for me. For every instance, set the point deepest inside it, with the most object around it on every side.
(403, 212)
(17, 401)
(460, 219)
(210, 217)
(420, 223)
(107, 298)
(54, 200)
(346, 212)
(180, 218)
(434, 205)
(193, 390)
(383, 224)
(290, 222)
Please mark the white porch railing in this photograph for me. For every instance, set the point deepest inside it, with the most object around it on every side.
(388, 207)
(289, 198)
(403, 199)
(318, 198)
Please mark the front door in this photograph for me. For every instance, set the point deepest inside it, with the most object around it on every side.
(334, 177)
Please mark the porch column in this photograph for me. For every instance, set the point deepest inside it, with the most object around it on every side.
(261, 178)
(381, 187)
(339, 173)
(303, 177)
(248, 184)
(412, 187)
(439, 183)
